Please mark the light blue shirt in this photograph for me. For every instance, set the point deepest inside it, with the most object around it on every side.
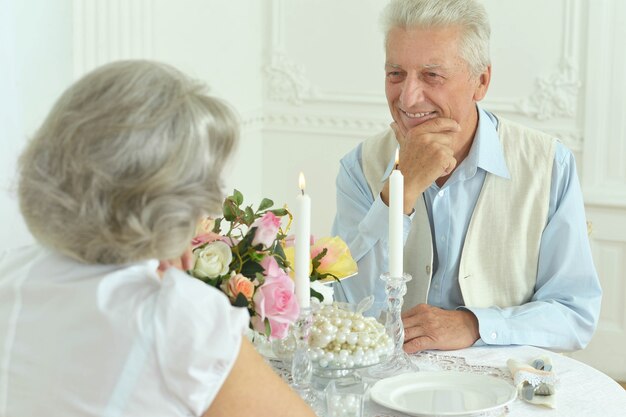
(564, 310)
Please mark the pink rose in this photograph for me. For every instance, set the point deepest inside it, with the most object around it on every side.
(272, 270)
(239, 284)
(276, 301)
(266, 229)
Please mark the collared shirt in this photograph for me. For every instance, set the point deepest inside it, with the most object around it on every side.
(565, 307)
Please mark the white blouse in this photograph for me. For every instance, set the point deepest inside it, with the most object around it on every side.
(110, 340)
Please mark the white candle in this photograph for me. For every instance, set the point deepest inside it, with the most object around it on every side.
(396, 215)
(302, 221)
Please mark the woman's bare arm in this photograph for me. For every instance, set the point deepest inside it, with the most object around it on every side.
(253, 389)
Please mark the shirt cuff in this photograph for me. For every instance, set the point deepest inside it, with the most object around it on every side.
(491, 327)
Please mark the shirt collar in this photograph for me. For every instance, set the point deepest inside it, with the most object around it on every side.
(486, 151)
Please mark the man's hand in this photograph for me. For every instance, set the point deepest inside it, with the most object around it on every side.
(185, 262)
(426, 154)
(428, 327)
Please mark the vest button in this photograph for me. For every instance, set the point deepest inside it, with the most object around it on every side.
(428, 269)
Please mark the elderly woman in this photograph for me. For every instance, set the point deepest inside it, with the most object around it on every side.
(127, 161)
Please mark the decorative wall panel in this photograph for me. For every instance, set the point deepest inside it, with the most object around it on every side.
(604, 180)
(107, 30)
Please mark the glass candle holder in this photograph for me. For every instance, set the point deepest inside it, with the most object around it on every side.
(399, 361)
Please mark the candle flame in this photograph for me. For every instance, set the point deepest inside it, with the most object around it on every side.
(301, 182)
(397, 156)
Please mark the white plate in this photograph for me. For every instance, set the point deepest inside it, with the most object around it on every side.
(444, 393)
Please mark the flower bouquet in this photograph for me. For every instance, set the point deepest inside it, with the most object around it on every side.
(247, 255)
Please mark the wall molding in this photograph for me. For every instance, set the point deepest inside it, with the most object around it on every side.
(311, 123)
(555, 95)
(335, 125)
(252, 121)
(285, 80)
(108, 30)
(604, 177)
(338, 125)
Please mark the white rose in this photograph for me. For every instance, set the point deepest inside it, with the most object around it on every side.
(212, 261)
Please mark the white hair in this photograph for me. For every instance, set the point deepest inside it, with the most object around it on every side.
(127, 161)
(469, 15)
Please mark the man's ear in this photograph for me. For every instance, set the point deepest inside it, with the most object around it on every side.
(483, 84)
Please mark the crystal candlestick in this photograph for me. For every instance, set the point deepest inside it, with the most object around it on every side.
(399, 361)
(301, 366)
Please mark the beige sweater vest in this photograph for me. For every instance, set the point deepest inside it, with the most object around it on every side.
(498, 265)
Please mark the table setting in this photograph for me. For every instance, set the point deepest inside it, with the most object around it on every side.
(580, 390)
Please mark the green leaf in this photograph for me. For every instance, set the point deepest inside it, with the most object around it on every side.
(265, 204)
(279, 255)
(238, 197)
(279, 212)
(268, 328)
(315, 262)
(260, 277)
(248, 216)
(250, 269)
(317, 295)
(256, 256)
(246, 242)
(326, 275)
(217, 225)
(229, 210)
(240, 301)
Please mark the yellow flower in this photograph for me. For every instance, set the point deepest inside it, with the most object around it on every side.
(290, 254)
(337, 261)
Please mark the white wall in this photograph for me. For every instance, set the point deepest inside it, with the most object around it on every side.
(307, 78)
(36, 63)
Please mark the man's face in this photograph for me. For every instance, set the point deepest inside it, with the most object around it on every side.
(427, 78)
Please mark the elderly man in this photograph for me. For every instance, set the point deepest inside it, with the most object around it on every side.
(494, 225)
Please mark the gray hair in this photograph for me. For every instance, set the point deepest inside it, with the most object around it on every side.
(126, 163)
(469, 15)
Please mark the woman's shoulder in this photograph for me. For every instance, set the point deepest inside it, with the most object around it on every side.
(206, 311)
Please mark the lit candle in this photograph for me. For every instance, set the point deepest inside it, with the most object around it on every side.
(302, 222)
(396, 214)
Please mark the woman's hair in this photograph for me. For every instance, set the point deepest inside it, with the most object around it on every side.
(128, 160)
(469, 15)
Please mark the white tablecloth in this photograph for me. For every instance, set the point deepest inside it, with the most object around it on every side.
(581, 390)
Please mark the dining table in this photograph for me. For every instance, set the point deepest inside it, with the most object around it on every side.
(580, 390)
